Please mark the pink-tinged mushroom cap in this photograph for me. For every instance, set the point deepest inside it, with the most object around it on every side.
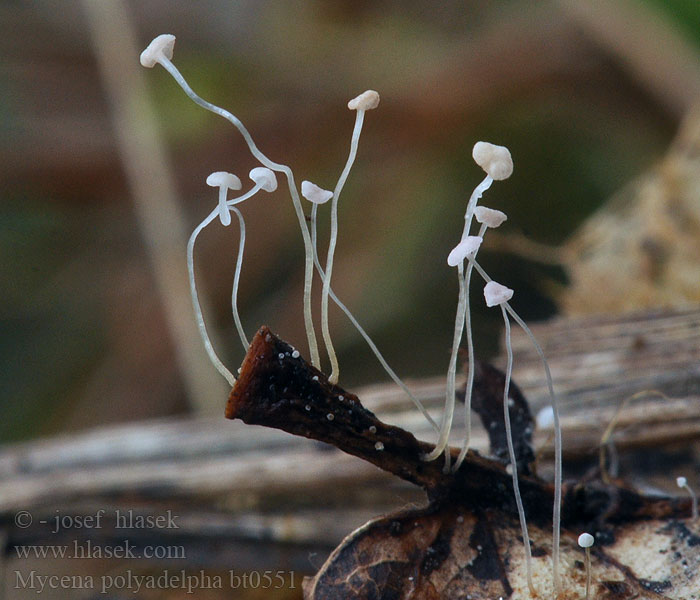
(468, 246)
(264, 177)
(315, 194)
(224, 181)
(495, 293)
(495, 160)
(161, 47)
(489, 216)
(365, 101)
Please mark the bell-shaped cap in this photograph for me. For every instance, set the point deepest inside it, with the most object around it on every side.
(222, 179)
(365, 101)
(264, 177)
(161, 46)
(495, 160)
(468, 246)
(490, 216)
(495, 293)
(315, 194)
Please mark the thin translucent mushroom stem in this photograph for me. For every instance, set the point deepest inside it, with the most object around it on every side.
(354, 142)
(264, 160)
(471, 205)
(585, 541)
(199, 317)
(463, 309)
(236, 280)
(448, 412)
(470, 369)
(682, 483)
(556, 513)
(372, 346)
(511, 454)
(588, 573)
(216, 361)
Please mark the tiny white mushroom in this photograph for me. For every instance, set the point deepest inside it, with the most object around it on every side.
(586, 540)
(315, 194)
(468, 246)
(365, 101)
(489, 216)
(495, 294)
(495, 160)
(264, 177)
(224, 181)
(161, 47)
(160, 50)
(682, 483)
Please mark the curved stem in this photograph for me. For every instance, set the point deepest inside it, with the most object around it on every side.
(468, 391)
(264, 160)
(236, 279)
(448, 412)
(471, 205)
(556, 513)
(511, 454)
(224, 214)
(373, 347)
(335, 371)
(195, 301)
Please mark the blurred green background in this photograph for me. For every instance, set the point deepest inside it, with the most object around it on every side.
(586, 95)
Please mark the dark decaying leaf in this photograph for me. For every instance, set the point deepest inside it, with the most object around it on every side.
(466, 542)
(454, 553)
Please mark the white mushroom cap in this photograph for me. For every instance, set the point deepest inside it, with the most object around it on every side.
(585, 540)
(495, 160)
(681, 482)
(489, 216)
(365, 101)
(161, 46)
(264, 177)
(222, 179)
(495, 293)
(468, 246)
(315, 194)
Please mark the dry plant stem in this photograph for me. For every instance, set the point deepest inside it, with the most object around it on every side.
(556, 513)
(275, 392)
(265, 161)
(373, 347)
(289, 394)
(236, 279)
(325, 329)
(216, 361)
(511, 453)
